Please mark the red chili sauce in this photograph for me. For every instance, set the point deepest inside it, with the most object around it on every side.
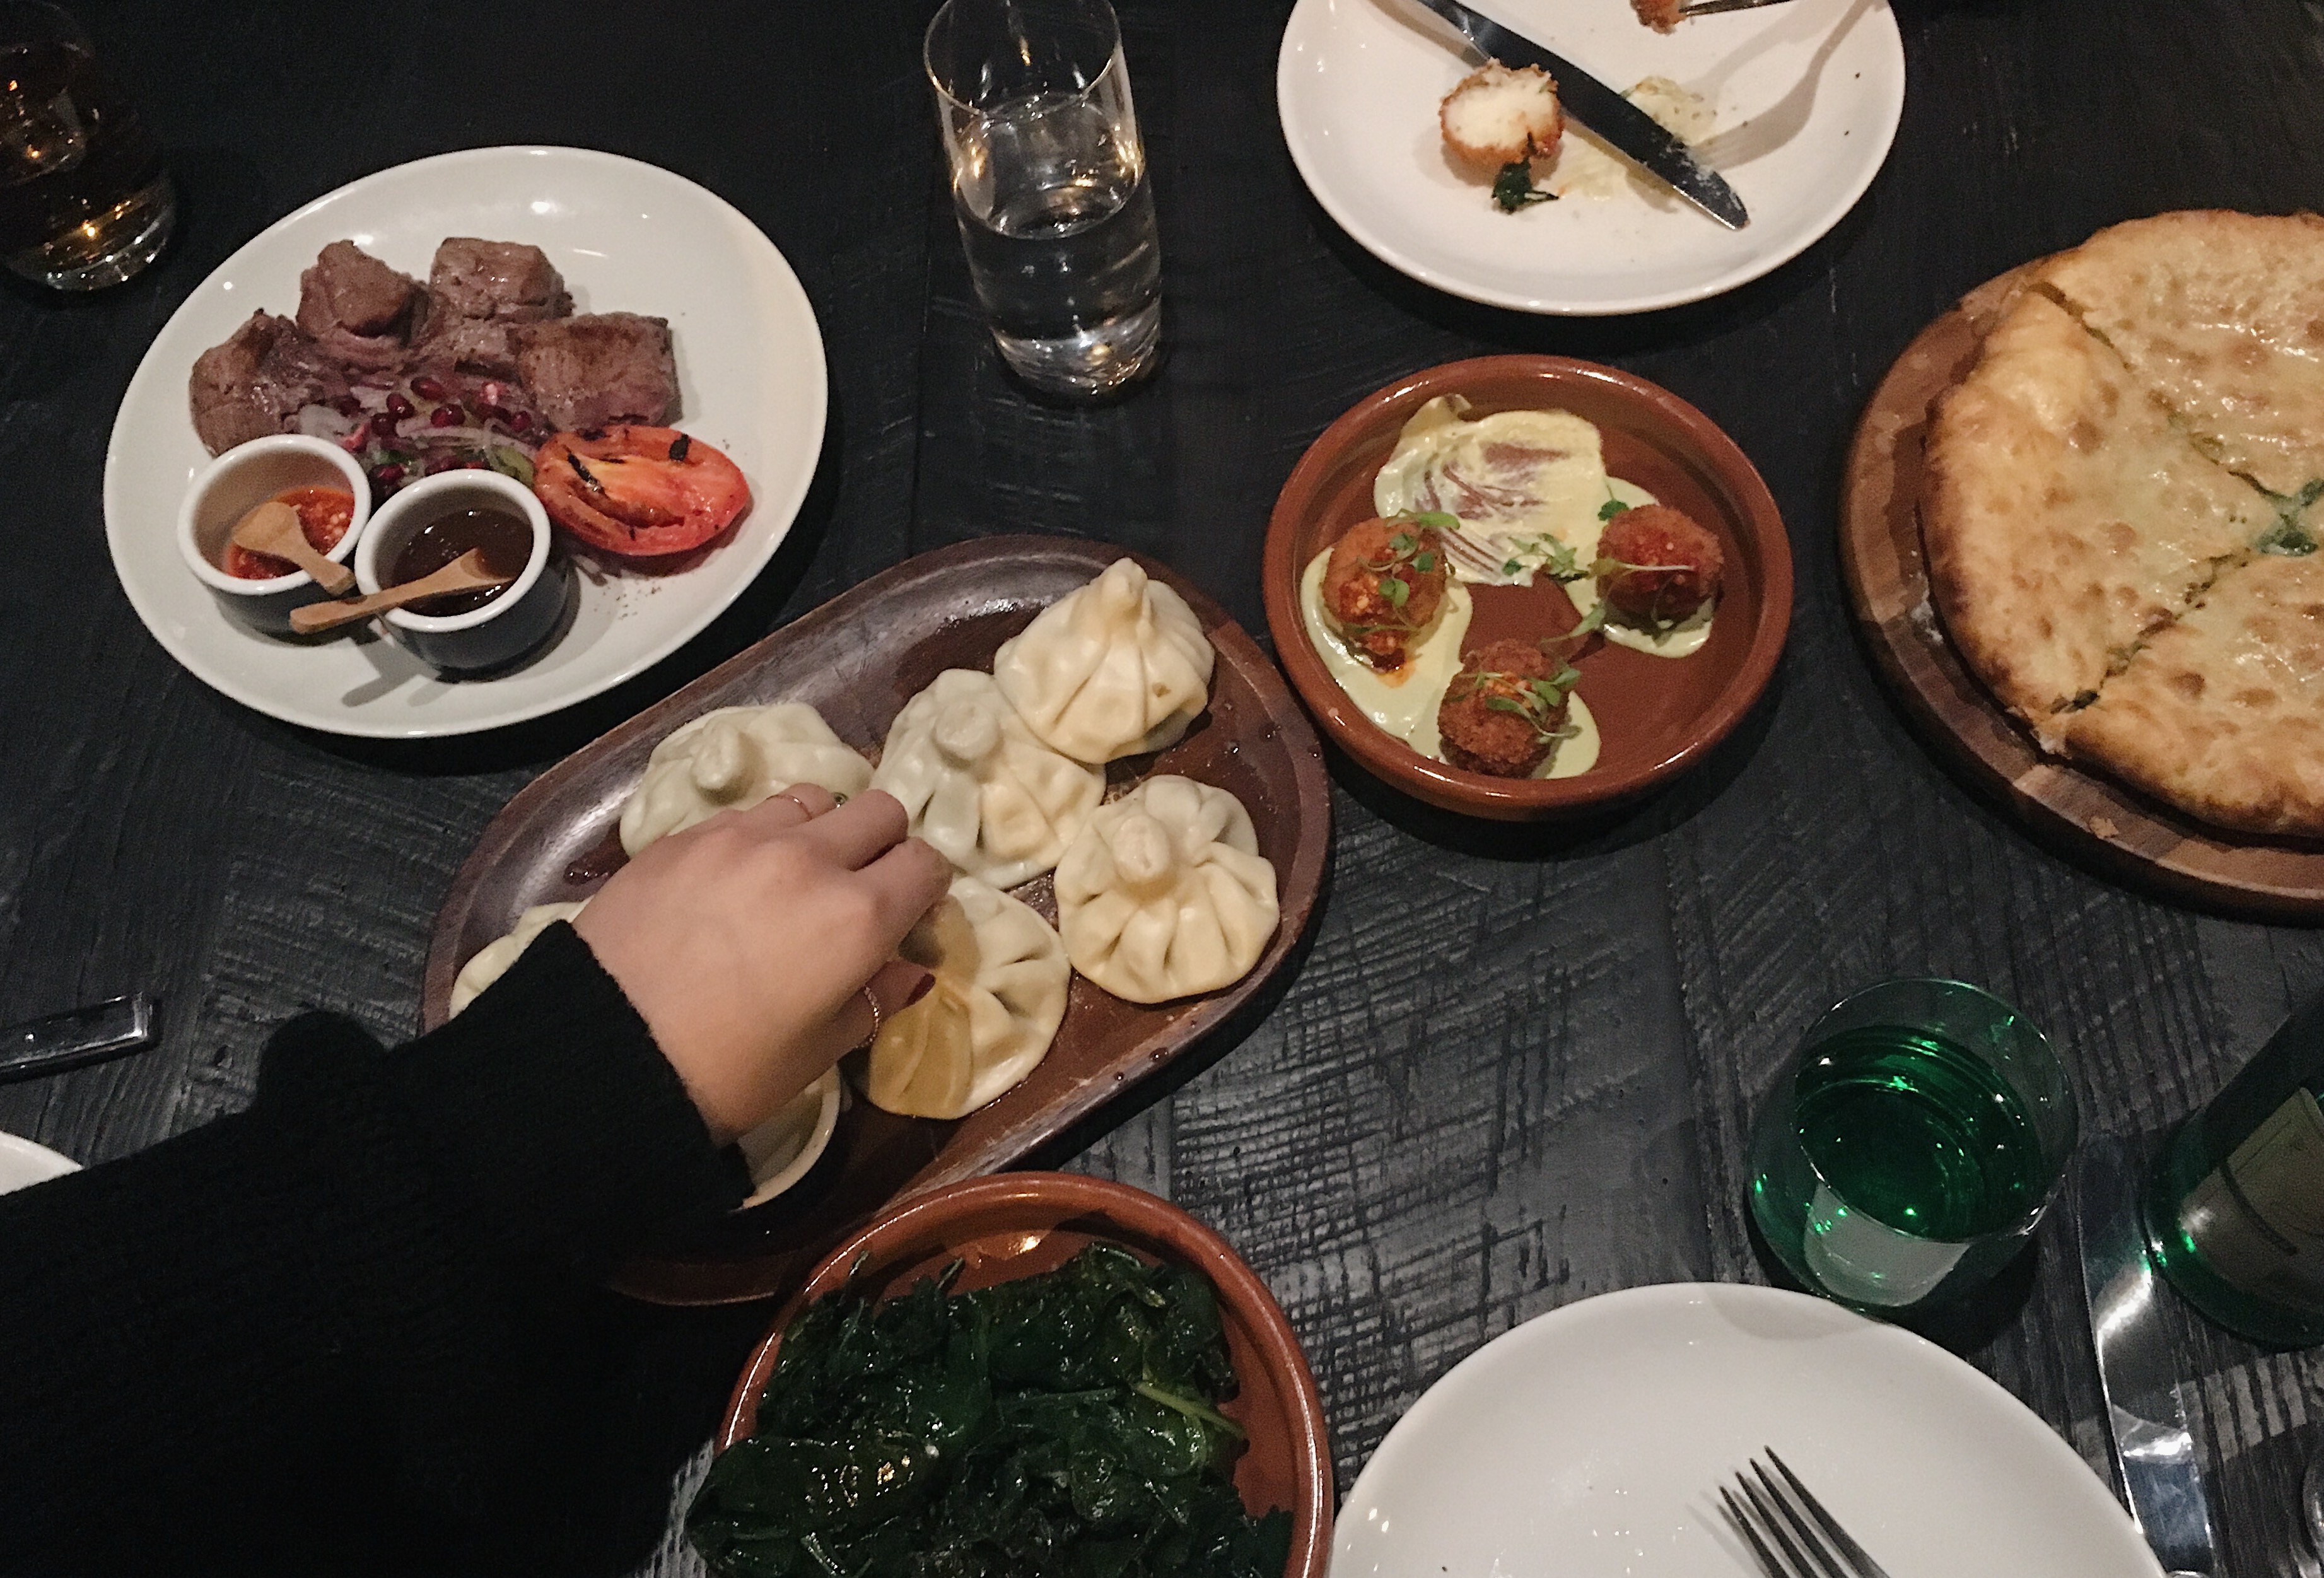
(325, 514)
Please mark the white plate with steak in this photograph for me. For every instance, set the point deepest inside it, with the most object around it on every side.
(485, 298)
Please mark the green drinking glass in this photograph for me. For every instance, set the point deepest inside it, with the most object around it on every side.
(1911, 1146)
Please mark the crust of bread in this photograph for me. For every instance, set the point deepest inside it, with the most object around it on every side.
(2221, 315)
(2065, 517)
(2222, 713)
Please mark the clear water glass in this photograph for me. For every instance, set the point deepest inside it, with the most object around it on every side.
(1911, 1146)
(84, 200)
(1050, 186)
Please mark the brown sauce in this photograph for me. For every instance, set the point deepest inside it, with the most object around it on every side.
(505, 541)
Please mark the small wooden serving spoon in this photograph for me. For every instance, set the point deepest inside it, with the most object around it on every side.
(273, 529)
(465, 574)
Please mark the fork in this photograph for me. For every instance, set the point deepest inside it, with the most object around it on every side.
(1786, 1517)
(1714, 7)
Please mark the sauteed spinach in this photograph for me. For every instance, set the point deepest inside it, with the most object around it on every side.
(1064, 1424)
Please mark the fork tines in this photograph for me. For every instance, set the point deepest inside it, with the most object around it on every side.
(1786, 1518)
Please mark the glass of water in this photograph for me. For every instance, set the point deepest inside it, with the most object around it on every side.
(84, 200)
(1050, 186)
(1911, 1146)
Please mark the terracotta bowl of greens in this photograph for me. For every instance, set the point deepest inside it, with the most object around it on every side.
(1024, 1364)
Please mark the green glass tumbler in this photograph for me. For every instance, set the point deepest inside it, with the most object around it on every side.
(1911, 1146)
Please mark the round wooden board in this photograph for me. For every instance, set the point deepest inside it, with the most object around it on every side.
(2122, 834)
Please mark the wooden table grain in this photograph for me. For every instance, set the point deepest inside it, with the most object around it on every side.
(1515, 1069)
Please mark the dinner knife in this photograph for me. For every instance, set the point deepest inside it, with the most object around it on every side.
(2156, 1467)
(72, 1039)
(1629, 130)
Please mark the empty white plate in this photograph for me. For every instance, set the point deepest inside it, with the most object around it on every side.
(1591, 1441)
(1807, 94)
(628, 237)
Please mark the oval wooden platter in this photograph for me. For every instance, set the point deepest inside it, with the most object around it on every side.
(2089, 817)
(857, 659)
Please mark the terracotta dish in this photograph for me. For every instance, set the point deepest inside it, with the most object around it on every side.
(857, 659)
(1026, 1224)
(2107, 826)
(1658, 716)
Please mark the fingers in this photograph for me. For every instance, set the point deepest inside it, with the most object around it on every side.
(898, 985)
(861, 831)
(906, 882)
(794, 806)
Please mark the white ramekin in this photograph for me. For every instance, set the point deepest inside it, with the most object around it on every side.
(236, 482)
(504, 630)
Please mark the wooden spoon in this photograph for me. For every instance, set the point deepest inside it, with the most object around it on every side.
(465, 574)
(273, 529)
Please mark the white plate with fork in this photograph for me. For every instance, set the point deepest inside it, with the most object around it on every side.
(1807, 96)
(1591, 1442)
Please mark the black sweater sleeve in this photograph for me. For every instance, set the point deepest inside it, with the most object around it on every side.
(344, 1283)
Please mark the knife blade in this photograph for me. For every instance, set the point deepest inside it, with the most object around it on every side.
(1628, 129)
(2156, 1466)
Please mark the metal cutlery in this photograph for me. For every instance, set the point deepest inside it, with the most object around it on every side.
(1787, 1518)
(1714, 7)
(2157, 1470)
(1628, 129)
(81, 1036)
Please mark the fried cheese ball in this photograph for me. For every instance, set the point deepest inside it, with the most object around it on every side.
(1662, 15)
(1657, 565)
(1496, 117)
(1503, 741)
(1376, 621)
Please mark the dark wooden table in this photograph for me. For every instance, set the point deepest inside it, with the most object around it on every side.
(1515, 1069)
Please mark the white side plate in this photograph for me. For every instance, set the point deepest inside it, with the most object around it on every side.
(1807, 96)
(1590, 1443)
(627, 238)
(23, 1164)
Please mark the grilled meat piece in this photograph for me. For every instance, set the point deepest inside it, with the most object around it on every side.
(357, 308)
(255, 382)
(598, 369)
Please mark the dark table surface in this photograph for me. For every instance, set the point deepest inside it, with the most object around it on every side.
(1514, 1070)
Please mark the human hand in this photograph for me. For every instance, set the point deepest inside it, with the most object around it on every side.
(746, 943)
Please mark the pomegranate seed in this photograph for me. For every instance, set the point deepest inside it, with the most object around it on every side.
(493, 390)
(520, 420)
(382, 425)
(347, 405)
(427, 388)
(387, 475)
(444, 416)
(398, 406)
(479, 412)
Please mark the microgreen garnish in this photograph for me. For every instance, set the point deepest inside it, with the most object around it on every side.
(1407, 551)
(1555, 556)
(1513, 187)
(1541, 703)
(1610, 508)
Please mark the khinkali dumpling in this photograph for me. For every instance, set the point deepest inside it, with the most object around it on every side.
(1165, 894)
(731, 760)
(998, 995)
(491, 961)
(977, 785)
(1116, 667)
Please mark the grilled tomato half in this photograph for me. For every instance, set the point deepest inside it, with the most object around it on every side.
(638, 492)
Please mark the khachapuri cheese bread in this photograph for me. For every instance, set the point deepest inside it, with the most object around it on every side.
(2120, 512)
(988, 1018)
(733, 759)
(1117, 667)
(1165, 894)
(992, 800)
